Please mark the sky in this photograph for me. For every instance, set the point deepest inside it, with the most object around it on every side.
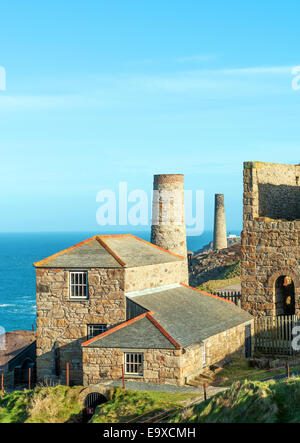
(99, 93)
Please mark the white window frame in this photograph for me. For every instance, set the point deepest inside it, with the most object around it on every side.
(102, 325)
(78, 285)
(133, 363)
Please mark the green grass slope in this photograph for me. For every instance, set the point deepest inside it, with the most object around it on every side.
(126, 405)
(58, 404)
(249, 402)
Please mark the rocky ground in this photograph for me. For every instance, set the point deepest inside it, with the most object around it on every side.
(214, 265)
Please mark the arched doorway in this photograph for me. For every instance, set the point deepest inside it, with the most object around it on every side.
(92, 400)
(285, 295)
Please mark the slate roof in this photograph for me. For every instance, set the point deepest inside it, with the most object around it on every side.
(109, 251)
(142, 333)
(12, 343)
(184, 314)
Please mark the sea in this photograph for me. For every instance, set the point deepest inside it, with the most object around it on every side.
(18, 252)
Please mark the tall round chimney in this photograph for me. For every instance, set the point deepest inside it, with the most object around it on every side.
(220, 234)
(168, 221)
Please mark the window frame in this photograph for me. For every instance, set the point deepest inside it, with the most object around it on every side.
(132, 363)
(71, 285)
(90, 336)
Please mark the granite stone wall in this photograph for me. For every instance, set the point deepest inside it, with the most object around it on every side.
(152, 276)
(160, 365)
(270, 238)
(62, 322)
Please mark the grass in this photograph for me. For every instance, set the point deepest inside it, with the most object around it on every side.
(230, 275)
(59, 404)
(239, 370)
(249, 402)
(127, 405)
(218, 285)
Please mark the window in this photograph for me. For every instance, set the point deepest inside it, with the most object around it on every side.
(204, 355)
(94, 330)
(133, 363)
(78, 284)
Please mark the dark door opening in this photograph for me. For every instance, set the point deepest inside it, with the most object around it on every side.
(248, 343)
(92, 400)
(285, 296)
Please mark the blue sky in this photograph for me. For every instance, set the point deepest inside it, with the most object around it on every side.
(100, 92)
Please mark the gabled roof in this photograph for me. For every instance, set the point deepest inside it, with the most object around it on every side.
(142, 332)
(179, 317)
(109, 251)
(190, 315)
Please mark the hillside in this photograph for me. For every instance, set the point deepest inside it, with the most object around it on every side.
(249, 402)
(61, 404)
(216, 265)
(58, 404)
(127, 405)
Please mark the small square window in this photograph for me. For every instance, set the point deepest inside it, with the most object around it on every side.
(133, 363)
(78, 285)
(94, 330)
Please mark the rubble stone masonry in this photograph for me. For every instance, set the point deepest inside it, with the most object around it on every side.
(62, 322)
(271, 236)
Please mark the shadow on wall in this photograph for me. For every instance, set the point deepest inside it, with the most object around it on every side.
(52, 366)
(279, 201)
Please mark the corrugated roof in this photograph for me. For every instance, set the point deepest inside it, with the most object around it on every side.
(112, 251)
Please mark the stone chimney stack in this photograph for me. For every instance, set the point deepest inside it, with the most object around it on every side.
(220, 234)
(168, 220)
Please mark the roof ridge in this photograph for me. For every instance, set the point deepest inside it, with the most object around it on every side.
(116, 328)
(162, 330)
(110, 251)
(57, 254)
(158, 247)
(207, 293)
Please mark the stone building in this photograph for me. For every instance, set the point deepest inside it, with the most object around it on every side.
(114, 302)
(271, 239)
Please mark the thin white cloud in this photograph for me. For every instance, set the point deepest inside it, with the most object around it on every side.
(259, 70)
(194, 59)
(134, 91)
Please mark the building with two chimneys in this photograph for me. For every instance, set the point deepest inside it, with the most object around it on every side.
(118, 303)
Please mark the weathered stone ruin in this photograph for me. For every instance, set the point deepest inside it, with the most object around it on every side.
(270, 239)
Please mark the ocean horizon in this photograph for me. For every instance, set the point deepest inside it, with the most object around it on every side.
(18, 252)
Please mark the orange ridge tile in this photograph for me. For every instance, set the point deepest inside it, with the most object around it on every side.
(112, 253)
(207, 293)
(57, 254)
(162, 330)
(116, 328)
